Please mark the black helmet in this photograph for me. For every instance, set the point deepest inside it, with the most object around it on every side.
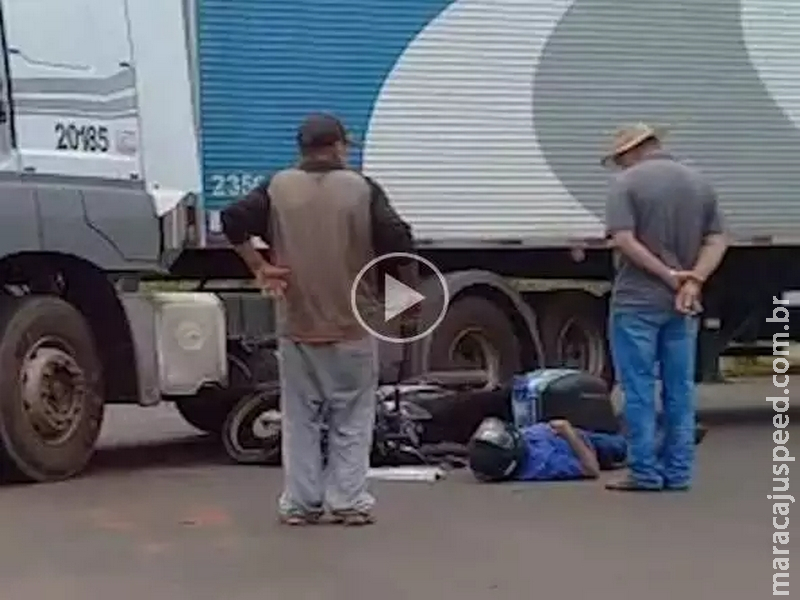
(496, 450)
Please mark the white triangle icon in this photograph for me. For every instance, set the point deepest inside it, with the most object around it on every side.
(398, 298)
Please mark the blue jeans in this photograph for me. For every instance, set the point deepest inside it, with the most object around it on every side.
(646, 345)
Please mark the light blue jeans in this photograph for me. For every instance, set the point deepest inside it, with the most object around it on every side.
(647, 345)
(333, 383)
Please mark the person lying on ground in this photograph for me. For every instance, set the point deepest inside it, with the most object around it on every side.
(547, 451)
(557, 451)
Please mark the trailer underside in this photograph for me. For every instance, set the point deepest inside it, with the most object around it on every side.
(737, 301)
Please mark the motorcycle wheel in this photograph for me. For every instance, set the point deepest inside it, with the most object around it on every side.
(252, 431)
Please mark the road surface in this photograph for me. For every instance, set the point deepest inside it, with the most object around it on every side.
(173, 520)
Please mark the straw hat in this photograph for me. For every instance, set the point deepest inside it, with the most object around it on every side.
(628, 137)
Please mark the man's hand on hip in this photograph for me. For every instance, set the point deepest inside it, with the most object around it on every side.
(271, 279)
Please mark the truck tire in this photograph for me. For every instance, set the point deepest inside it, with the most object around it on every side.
(573, 330)
(207, 410)
(51, 402)
(247, 367)
(476, 334)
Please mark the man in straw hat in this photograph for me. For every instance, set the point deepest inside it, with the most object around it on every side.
(668, 234)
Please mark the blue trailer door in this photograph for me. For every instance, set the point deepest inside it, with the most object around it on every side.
(264, 64)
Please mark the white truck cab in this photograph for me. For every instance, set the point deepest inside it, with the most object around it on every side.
(100, 89)
(99, 175)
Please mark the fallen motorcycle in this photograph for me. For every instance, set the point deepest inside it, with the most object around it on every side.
(417, 421)
(406, 427)
(427, 420)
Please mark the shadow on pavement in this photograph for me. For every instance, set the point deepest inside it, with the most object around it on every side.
(205, 450)
(200, 450)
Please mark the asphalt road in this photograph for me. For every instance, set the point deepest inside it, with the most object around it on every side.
(161, 515)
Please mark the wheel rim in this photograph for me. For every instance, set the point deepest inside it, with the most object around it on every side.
(472, 350)
(578, 348)
(53, 390)
(254, 429)
(266, 426)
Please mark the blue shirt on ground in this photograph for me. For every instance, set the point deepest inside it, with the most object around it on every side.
(549, 456)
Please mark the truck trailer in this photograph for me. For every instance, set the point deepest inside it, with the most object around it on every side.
(126, 126)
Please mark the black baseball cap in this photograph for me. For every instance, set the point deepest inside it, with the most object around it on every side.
(320, 130)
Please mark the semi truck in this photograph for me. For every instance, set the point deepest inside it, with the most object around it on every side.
(126, 126)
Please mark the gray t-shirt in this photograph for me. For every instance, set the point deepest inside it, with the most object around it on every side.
(671, 208)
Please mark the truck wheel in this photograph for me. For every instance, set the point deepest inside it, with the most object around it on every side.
(252, 432)
(476, 335)
(573, 330)
(51, 408)
(207, 410)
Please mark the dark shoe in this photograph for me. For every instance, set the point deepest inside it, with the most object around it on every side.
(629, 485)
(700, 433)
(677, 487)
(352, 518)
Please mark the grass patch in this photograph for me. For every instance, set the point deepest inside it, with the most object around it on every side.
(756, 366)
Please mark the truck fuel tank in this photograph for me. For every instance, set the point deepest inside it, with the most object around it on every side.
(180, 341)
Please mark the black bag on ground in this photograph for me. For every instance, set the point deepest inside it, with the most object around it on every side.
(578, 397)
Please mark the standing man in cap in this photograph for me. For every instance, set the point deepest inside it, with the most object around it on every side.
(668, 234)
(322, 223)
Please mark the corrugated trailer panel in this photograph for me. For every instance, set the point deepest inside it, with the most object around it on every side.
(486, 119)
(264, 64)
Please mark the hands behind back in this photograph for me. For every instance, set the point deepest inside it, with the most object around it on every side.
(689, 291)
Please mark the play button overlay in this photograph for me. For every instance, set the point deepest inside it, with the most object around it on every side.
(395, 306)
(398, 298)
